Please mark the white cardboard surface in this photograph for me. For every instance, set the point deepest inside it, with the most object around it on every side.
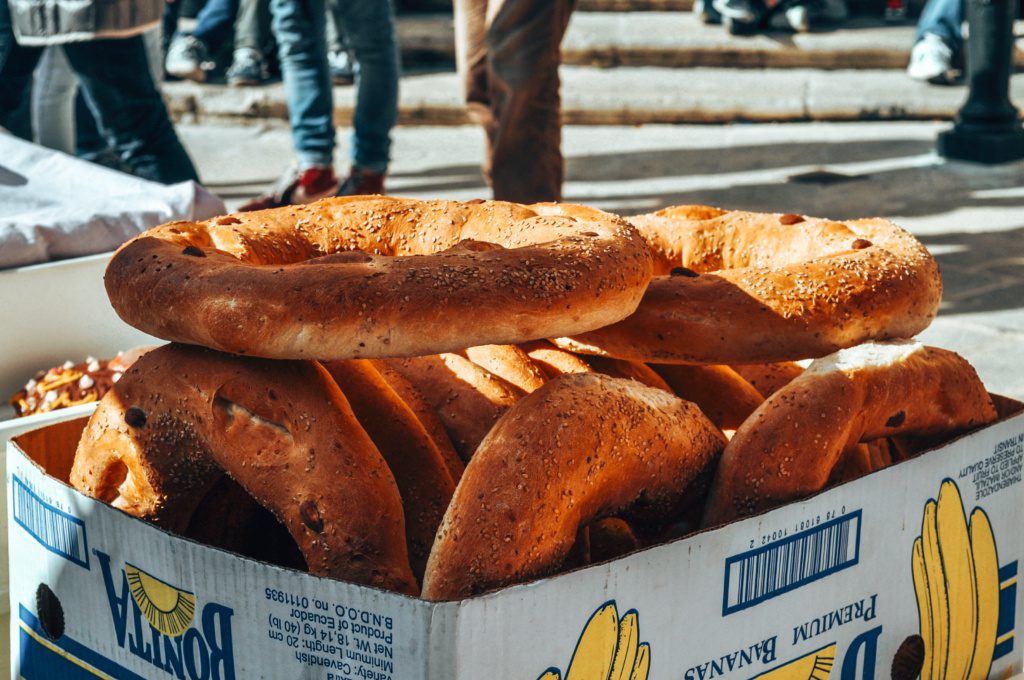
(698, 609)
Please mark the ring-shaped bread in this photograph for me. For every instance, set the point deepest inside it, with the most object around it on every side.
(183, 416)
(735, 287)
(789, 446)
(362, 277)
(581, 447)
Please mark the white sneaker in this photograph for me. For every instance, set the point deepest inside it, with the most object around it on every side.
(795, 18)
(187, 58)
(931, 60)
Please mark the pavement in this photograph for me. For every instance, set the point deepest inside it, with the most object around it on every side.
(970, 216)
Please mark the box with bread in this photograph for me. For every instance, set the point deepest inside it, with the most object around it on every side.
(404, 439)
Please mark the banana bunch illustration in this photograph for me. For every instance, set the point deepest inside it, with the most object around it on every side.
(609, 649)
(956, 578)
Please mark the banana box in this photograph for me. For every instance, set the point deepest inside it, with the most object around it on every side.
(911, 571)
(55, 312)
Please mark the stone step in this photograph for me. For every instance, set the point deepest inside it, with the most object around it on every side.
(631, 96)
(678, 39)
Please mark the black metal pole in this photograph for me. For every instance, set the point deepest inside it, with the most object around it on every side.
(988, 128)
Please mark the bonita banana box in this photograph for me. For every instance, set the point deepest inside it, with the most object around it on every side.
(913, 567)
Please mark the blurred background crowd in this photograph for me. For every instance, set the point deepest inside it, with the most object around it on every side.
(88, 82)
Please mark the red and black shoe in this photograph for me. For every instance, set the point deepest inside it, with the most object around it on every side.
(362, 182)
(297, 187)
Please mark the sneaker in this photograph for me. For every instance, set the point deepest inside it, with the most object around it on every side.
(247, 68)
(931, 60)
(739, 16)
(342, 66)
(295, 187)
(706, 12)
(793, 18)
(362, 182)
(187, 57)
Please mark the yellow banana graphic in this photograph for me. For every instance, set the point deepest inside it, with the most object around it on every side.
(924, 606)
(939, 633)
(625, 653)
(643, 662)
(986, 571)
(958, 567)
(608, 649)
(595, 651)
(956, 579)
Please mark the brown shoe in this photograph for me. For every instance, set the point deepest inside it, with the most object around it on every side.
(362, 182)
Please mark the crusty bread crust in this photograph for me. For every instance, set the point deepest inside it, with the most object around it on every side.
(787, 449)
(720, 392)
(363, 277)
(424, 482)
(182, 416)
(466, 398)
(741, 287)
(581, 447)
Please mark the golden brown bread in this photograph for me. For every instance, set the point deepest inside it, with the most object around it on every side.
(183, 416)
(720, 392)
(769, 378)
(467, 399)
(423, 481)
(553, 361)
(581, 447)
(424, 413)
(738, 287)
(787, 449)
(361, 277)
(510, 363)
(630, 370)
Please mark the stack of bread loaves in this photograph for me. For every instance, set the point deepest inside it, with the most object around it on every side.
(442, 398)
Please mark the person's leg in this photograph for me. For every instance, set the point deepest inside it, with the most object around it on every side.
(369, 26)
(119, 90)
(53, 102)
(16, 66)
(944, 19)
(298, 26)
(215, 23)
(471, 56)
(523, 55)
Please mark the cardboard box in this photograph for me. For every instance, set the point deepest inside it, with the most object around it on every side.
(53, 312)
(823, 588)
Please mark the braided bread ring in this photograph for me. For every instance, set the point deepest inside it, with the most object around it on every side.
(759, 288)
(788, 447)
(285, 283)
(183, 416)
(581, 447)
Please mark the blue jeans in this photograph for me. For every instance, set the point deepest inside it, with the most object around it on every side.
(118, 88)
(215, 23)
(943, 18)
(300, 29)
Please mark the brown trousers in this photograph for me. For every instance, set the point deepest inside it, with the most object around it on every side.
(508, 55)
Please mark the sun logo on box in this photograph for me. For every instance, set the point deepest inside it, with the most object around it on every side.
(165, 607)
(609, 648)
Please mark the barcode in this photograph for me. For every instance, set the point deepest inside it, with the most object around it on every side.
(55, 529)
(771, 570)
